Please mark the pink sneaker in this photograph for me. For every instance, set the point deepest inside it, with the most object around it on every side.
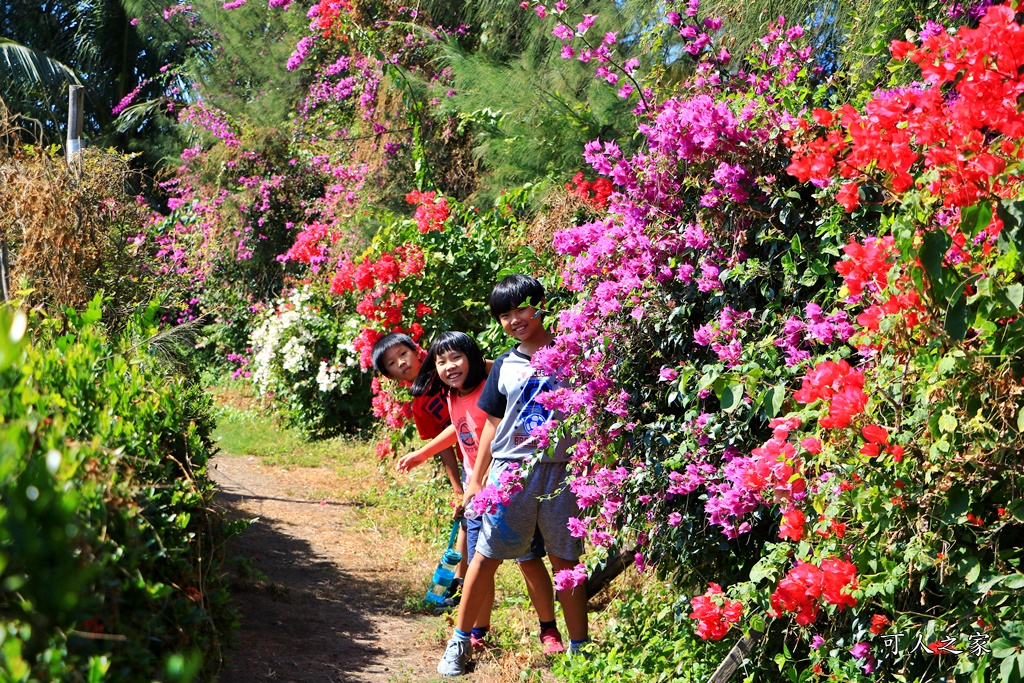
(551, 639)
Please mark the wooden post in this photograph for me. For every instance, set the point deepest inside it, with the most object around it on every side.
(734, 660)
(608, 570)
(5, 271)
(76, 98)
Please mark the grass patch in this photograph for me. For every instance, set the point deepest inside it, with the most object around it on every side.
(244, 432)
(413, 512)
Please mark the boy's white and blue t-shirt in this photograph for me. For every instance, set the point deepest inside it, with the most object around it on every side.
(545, 502)
(513, 387)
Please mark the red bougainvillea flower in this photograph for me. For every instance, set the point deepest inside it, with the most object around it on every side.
(792, 525)
(849, 196)
(799, 592)
(431, 212)
(811, 445)
(879, 624)
(966, 141)
(805, 583)
(866, 266)
(775, 469)
(714, 613)
(838, 384)
(595, 193)
(875, 434)
(839, 577)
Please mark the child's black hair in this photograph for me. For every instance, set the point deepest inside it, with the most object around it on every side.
(514, 291)
(389, 341)
(429, 382)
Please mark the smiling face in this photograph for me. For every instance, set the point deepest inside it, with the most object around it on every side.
(401, 363)
(522, 323)
(453, 368)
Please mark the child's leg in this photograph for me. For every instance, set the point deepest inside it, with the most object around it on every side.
(574, 602)
(479, 587)
(460, 545)
(563, 549)
(483, 618)
(538, 585)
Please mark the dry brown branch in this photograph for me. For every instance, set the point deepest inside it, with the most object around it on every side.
(70, 236)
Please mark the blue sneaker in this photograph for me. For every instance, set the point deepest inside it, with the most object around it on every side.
(456, 658)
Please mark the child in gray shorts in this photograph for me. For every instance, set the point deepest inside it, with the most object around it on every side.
(508, 439)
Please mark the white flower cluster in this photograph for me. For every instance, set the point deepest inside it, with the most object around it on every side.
(280, 339)
(327, 378)
(284, 342)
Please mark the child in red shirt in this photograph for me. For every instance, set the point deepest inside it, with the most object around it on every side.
(455, 368)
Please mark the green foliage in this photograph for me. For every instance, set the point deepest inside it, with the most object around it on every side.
(475, 249)
(530, 112)
(243, 70)
(110, 551)
(647, 639)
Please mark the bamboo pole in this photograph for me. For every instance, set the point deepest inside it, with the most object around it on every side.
(76, 99)
(5, 271)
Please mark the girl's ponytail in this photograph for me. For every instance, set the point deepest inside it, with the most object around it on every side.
(427, 382)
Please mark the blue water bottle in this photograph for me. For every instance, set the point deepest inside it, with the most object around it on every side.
(445, 572)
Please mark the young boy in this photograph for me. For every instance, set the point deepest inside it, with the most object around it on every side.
(510, 401)
(396, 357)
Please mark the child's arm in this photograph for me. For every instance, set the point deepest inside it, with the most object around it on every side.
(451, 466)
(419, 456)
(483, 459)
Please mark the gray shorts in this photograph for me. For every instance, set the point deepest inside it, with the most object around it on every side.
(508, 533)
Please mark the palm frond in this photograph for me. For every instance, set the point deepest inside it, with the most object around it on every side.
(132, 118)
(19, 61)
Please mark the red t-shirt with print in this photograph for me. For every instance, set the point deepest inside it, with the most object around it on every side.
(430, 413)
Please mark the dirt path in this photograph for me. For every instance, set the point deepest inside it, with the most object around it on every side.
(319, 598)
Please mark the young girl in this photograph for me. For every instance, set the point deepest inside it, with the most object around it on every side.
(456, 367)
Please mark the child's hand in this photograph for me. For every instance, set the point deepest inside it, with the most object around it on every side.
(414, 459)
(472, 488)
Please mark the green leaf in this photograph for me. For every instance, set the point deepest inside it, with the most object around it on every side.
(955, 324)
(1003, 648)
(731, 398)
(974, 572)
(98, 667)
(976, 218)
(1014, 582)
(933, 249)
(773, 399)
(947, 423)
(13, 325)
(1015, 293)
(1006, 669)
(760, 570)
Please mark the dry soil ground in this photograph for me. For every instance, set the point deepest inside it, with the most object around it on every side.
(321, 593)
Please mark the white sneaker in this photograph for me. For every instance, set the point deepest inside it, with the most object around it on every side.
(456, 658)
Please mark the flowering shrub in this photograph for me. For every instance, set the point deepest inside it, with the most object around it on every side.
(393, 286)
(304, 358)
(807, 402)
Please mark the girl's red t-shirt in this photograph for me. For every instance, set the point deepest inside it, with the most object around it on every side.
(469, 421)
